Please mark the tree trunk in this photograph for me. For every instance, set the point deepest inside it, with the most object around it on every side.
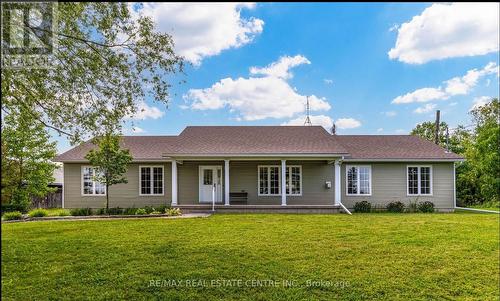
(107, 198)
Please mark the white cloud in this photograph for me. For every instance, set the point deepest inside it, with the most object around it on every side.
(400, 131)
(256, 98)
(446, 31)
(452, 104)
(145, 111)
(380, 130)
(201, 30)
(390, 113)
(455, 86)
(425, 109)
(328, 81)
(479, 102)
(347, 123)
(394, 27)
(281, 68)
(323, 120)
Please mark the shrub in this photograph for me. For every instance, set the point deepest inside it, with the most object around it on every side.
(173, 212)
(362, 206)
(38, 213)
(101, 211)
(140, 211)
(13, 207)
(61, 212)
(81, 212)
(149, 209)
(426, 207)
(162, 208)
(156, 212)
(115, 211)
(129, 211)
(13, 215)
(412, 207)
(395, 207)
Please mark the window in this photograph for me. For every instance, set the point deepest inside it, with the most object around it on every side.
(359, 180)
(270, 180)
(151, 180)
(419, 180)
(89, 186)
(293, 185)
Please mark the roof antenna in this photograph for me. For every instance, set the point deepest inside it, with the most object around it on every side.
(334, 129)
(308, 120)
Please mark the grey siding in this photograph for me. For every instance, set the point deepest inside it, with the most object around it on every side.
(389, 184)
(120, 195)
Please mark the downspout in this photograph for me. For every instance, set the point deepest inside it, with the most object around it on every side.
(339, 201)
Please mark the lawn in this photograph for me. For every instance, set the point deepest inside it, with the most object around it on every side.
(255, 257)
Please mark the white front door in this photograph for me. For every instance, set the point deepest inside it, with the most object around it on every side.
(210, 184)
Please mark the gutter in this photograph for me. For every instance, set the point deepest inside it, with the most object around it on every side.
(345, 209)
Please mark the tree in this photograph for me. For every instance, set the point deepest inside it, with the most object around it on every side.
(106, 60)
(110, 160)
(483, 155)
(456, 137)
(27, 152)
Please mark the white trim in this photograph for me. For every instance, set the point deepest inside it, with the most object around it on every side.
(200, 180)
(152, 180)
(174, 183)
(275, 155)
(454, 187)
(268, 180)
(93, 184)
(404, 160)
(283, 182)
(358, 181)
(226, 182)
(431, 180)
(338, 183)
(62, 190)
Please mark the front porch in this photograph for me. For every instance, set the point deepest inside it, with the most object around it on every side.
(319, 209)
(310, 184)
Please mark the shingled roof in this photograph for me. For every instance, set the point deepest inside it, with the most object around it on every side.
(204, 141)
(406, 147)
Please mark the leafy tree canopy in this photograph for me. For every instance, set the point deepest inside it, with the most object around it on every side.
(106, 61)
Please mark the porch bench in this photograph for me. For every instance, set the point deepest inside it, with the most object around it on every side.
(238, 197)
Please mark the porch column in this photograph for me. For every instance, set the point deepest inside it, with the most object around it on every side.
(174, 183)
(283, 182)
(338, 195)
(226, 182)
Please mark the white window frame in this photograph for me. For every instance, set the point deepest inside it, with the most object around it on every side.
(288, 167)
(93, 185)
(370, 182)
(152, 180)
(268, 180)
(419, 182)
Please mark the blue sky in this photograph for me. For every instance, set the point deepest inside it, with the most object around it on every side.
(444, 57)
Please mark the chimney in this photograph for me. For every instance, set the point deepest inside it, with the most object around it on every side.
(436, 134)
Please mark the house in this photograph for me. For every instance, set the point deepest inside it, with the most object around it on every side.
(242, 167)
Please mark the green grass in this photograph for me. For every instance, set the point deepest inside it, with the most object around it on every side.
(363, 256)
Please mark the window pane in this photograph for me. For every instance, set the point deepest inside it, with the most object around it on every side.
(88, 184)
(263, 180)
(364, 180)
(352, 180)
(208, 177)
(99, 188)
(425, 180)
(287, 180)
(274, 181)
(157, 180)
(145, 180)
(412, 180)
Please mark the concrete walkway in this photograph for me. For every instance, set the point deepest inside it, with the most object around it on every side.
(108, 217)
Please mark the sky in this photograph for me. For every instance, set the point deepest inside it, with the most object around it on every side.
(370, 68)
